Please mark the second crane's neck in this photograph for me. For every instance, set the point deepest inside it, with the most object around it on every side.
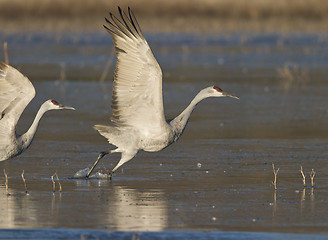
(27, 138)
(179, 123)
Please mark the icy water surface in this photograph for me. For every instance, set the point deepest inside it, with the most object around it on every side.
(217, 177)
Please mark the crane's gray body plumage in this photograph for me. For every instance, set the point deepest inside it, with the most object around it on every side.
(16, 91)
(138, 121)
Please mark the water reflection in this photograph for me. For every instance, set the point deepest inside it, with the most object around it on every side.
(142, 210)
(274, 203)
(55, 201)
(82, 183)
(302, 205)
(16, 207)
(90, 204)
(303, 199)
(128, 208)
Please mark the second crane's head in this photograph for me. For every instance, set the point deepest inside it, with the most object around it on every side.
(54, 105)
(215, 91)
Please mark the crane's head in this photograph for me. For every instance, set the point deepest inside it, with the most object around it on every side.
(54, 105)
(215, 91)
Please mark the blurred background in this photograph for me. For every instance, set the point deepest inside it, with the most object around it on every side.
(169, 16)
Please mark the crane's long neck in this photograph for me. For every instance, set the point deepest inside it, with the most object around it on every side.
(27, 137)
(179, 123)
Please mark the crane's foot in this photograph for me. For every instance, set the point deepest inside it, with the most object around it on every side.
(110, 175)
(100, 156)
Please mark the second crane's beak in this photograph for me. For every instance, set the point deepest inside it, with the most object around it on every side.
(66, 107)
(229, 95)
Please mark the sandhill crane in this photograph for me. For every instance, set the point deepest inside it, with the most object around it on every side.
(138, 121)
(16, 91)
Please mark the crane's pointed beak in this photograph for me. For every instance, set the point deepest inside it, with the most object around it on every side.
(229, 95)
(66, 107)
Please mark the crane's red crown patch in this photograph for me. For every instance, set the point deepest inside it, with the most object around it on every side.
(217, 89)
(54, 102)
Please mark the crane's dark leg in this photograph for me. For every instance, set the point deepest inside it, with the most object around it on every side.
(100, 156)
(125, 157)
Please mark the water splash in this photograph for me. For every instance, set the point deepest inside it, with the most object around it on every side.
(98, 175)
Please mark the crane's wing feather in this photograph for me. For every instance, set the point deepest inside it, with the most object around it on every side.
(137, 99)
(16, 91)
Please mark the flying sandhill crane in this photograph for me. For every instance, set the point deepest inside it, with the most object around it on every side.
(138, 121)
(16, 91)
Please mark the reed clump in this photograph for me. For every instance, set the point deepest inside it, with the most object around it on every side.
(293, 77)
(311, 174)
(54, 183)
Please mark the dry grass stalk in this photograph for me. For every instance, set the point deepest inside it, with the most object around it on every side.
(24, 181)
(303, 176)
(60, 186)
(136, 236)
(62, 76)
(53, 184)
(312, 175)
(108, 65)
(6, 176)
(5, 49)
(292, 76)
(275, 172)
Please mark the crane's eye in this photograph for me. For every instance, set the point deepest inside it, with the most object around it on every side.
(217, 89)
(54, 102)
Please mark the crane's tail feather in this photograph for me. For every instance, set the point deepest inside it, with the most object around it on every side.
(110, 132)
(104, 130)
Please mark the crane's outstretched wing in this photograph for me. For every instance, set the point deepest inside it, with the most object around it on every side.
(16, 91)
(137, 99)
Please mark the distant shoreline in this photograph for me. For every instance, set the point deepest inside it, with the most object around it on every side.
(192, 16)
(196, 25)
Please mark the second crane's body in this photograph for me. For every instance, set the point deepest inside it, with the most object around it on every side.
(138, 121)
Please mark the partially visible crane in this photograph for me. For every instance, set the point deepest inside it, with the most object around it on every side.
(16, 91)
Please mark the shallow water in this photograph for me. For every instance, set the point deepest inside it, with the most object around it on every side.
(217, 177)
